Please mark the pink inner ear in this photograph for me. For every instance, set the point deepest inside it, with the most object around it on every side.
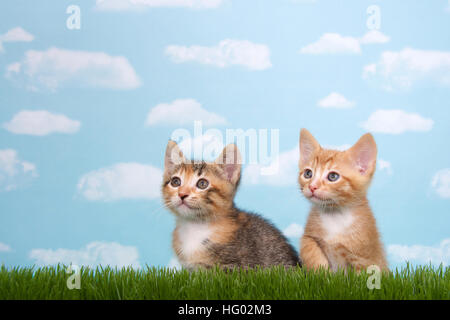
(229, 170)
(362, 169)
(363, 160)
(306, 153)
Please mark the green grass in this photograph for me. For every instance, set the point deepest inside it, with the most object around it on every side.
(423, 282)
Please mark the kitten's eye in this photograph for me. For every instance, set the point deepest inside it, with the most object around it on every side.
(175, 182)
(202, 184)
(308, 174)
(333, 176)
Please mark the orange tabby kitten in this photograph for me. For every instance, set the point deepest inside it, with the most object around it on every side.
(341, 230)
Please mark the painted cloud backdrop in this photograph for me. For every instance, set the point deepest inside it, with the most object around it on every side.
(86, 114)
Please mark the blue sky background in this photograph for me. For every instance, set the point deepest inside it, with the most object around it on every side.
(46, 211)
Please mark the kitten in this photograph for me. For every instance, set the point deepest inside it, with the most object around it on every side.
(210, 230)
(341, 230)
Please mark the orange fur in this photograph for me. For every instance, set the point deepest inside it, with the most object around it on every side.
(224, 230)
(341, 230)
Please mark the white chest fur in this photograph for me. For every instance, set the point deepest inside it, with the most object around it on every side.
(336, 223)
(192, 235)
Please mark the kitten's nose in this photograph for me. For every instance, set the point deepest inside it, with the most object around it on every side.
(183, 196)
(312, 188)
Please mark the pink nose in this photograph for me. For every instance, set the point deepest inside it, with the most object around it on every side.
(312, 188)
(183, 195)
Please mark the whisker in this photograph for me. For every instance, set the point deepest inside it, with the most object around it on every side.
(158, 211)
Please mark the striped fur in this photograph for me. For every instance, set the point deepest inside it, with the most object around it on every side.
(210, 230)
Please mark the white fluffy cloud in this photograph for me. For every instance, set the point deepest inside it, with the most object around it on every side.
(331, 43)
(121, 181)
(15, 35)
(4, 247)
(374, 36)
(282, 171)
(334, 43)
(182, 112)
(384, 165)
(93, 254)
(56, 67)
(14, 172)
(228, 52)
(441, 183)
(396, 121)
(369, 70)
(294, 230)
(419, 254)
(403, 69)
(335, 100)
(41, 123)
(119, 5)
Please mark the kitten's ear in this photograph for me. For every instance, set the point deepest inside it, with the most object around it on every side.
(308, 146)
(173, 156)
(364, 154)
(230, 162)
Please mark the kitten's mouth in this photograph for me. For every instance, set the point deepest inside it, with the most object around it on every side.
(313, 196)
(185, 205)
(316, 198)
